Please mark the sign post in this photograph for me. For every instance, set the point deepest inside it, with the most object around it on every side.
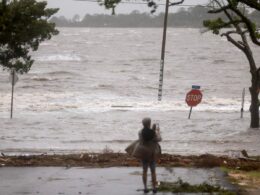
(13, 78)
(193, 98)
(190, 112)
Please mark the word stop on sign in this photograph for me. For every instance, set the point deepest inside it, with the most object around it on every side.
(194, 97)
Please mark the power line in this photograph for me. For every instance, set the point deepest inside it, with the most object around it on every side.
(144, 3)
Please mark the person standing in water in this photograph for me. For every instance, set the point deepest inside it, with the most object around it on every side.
(149, 151)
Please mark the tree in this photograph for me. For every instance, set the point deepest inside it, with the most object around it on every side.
(111, 4)
(239, 25)
(23, 26)
(76, 18)
(234, 6)
(255, 4)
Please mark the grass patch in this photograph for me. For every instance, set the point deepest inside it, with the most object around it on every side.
(254, 174)
(184, 187)
(256, 158)
(245, 179)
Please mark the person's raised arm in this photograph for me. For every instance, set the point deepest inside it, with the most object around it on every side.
(158, 136)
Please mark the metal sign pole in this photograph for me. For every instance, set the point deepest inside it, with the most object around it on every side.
(163, 51)
(12, 96)
(190, 112)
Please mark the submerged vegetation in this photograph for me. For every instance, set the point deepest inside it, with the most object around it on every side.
(245, 179)
(180, 187)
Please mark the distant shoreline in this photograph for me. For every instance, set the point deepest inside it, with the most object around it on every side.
(184, 18)
(171, 27)
(103, 27)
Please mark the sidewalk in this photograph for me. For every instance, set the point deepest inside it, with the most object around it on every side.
(98, 181)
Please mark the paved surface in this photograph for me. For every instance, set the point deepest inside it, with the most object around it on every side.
(112, 181)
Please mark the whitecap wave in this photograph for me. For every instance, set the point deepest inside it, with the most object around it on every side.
(49, 44)
(62, 73)
(91, 103)
(35, 78)
(70, 34)
(59, 57)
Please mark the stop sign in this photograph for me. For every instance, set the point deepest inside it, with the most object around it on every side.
(194, 97)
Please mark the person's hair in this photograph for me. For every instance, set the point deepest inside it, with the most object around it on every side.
(147, 133)
(146, 122)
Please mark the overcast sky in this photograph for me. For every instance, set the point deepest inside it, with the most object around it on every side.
(69, 8)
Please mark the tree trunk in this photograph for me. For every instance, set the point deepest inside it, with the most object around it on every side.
(254, 89)
(254, 108)
(244, 47)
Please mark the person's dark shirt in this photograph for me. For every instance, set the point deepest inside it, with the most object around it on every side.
(148, 134)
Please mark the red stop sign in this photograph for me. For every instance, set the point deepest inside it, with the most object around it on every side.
(194, 97)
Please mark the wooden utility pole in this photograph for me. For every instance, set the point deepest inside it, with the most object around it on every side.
(167, 5)
(13, 79)
(163, 50)
(12, 95)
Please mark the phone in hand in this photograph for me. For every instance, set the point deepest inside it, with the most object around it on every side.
(157, 126)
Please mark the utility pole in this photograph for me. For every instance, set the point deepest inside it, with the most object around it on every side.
(13, 80)
(167, 5)
(12, 95)
(163, 50)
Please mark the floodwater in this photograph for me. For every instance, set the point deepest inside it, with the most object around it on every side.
(57, 180)
(90, 88)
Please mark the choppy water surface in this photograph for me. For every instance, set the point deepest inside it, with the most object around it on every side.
(69, 100)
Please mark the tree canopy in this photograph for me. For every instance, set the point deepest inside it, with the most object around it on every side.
(238, 10)
(23, 25)
(111, 4)
(239, 26)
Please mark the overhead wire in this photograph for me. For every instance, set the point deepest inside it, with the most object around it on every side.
(144, 3)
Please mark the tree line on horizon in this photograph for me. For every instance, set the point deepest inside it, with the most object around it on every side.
(192, 17)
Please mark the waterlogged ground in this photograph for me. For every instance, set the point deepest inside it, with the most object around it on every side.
(70, 101)
(127, 181)
(217, 133)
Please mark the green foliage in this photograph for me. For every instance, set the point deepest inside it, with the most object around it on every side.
(214, 25)
(23, 26)
(254, 174)
(184, 187)
(111, 4)
(236, 16)
(234, 3)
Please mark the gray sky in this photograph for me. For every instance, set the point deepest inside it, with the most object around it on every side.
(69, 8)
